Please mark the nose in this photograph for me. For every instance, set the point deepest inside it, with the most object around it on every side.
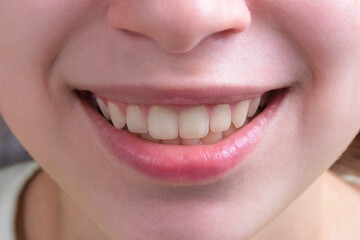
(179, 25)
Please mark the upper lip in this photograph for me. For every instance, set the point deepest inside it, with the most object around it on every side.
(177, 96)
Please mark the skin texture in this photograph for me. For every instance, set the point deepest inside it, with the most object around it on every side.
(50, 48)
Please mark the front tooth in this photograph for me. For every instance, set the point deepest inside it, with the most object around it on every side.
(148, 137)
(163, 123)
(212, 138)
(254, 106)
(136, 122)
(117, 117)
(191, 141)
(238, 115)
(104, 109)
(221, 118)
(194, 123)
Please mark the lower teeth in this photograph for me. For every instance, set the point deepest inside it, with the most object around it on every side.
(207, 140)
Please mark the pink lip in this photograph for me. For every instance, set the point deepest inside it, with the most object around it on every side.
(177, 95)
(184, 164)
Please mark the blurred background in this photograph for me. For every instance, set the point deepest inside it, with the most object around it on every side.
(11, 150)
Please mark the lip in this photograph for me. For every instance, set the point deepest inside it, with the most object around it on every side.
(177, 95)
(181, 164)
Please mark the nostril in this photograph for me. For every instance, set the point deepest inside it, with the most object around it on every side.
(225, 33)
(133, 33)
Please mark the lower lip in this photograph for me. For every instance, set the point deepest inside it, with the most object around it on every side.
(185, 164)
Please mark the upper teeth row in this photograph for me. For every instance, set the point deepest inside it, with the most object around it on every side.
(192, 123)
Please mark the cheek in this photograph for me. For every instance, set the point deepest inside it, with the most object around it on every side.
(325, 29)
(329, 30)
(327, 33)
(36, 30)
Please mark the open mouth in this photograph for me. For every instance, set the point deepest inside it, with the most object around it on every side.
(179, 125)
(175, 143)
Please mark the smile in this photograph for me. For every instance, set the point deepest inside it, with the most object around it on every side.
(181, 125)
(182, 143)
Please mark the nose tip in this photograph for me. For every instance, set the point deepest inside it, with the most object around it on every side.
(179, 25)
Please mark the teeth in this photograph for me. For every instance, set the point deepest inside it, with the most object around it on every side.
(163, 123)
(238, 115)
(212, 138)
(104, 109)
(228, 132)
(221, 118)
(148, 137)
(194, 123)
(117, 117)
(136, 122)
(191, 141)
(254, 106)
(175, 141)
(193, 126)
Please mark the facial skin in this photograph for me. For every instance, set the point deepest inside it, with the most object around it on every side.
(50, 48)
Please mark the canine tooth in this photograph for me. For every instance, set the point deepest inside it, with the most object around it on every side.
(194, 122)
(254, 106)
(175, 141)
(163, 123)
(104, 109)
(117, 117)
(191, 141)
(238, 115)
(221, 118)
(228, 132)
(148, 137)
(135, 121)
(212, 138)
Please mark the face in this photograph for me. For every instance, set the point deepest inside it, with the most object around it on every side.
(136, 51)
